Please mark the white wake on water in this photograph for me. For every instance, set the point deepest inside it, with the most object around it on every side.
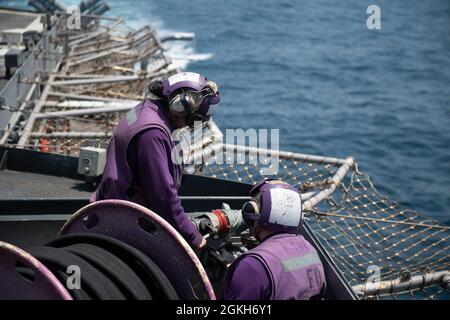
(180, 52)
(183, 52)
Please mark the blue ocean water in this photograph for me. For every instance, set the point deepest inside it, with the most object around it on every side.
(312, 69)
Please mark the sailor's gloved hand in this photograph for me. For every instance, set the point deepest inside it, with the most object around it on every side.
(201, 222)
(202, 244)
(221, 256)
(205, 227)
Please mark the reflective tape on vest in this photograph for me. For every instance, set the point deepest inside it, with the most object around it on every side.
(300, 262)
(131, 116)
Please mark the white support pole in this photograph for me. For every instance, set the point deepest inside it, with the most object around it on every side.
(401, 285)
(287, 155)
(71, 134)
(16, 115)
(37, 108)
(85, 97)
(333, 183)
(117, 107)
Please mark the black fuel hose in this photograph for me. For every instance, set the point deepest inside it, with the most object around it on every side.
(95, 283)
(114, 269)
(78, 294)
(149, 273)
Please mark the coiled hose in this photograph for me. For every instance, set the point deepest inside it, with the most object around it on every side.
(110, 269)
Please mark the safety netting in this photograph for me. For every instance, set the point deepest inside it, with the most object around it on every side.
(383, 249)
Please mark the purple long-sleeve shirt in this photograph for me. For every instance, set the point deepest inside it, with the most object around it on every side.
(249, 281)
(149, 156)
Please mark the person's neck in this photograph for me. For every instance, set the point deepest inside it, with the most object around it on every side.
(264, 234)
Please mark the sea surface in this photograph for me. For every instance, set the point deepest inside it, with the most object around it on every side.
(333, 87)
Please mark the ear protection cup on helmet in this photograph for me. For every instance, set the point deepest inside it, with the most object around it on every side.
(250, 213)
(178, 102)
(181, 102)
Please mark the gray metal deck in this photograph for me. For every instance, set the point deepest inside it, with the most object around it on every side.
(19, 185)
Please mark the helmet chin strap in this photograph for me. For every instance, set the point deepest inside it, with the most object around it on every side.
(186, 106)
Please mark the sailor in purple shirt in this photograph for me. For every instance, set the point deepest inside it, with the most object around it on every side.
(140, 166)
(284, 265)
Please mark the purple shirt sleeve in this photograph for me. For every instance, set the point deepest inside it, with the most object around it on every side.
(151, 156)
(249, 281)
